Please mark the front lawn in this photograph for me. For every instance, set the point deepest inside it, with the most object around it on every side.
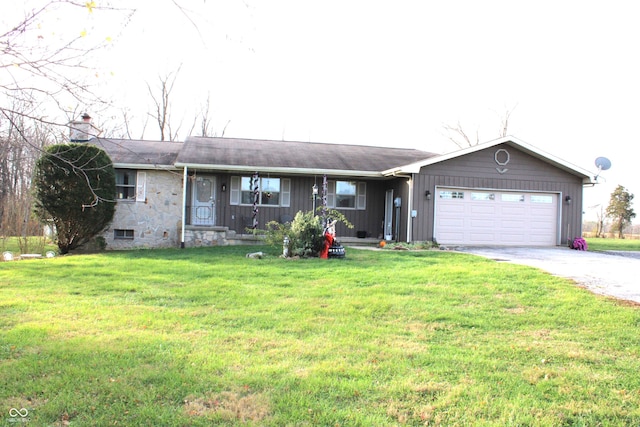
(209, 337)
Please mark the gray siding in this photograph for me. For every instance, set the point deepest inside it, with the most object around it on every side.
(478, 170)
(369, 220)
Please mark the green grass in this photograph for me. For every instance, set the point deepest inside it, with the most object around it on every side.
(597, 244)
(209, 337)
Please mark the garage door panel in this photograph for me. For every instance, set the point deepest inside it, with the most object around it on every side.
(482, 209)
(544, 213)
(451, 222)
(503, 217)
(456, 207)
(513, 210)
(481, 223)
(511, 224)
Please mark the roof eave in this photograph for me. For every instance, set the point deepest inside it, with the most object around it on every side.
(281, 170)
(144, 166)
(406, 169)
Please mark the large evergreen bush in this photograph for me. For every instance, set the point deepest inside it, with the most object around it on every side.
(74, 187)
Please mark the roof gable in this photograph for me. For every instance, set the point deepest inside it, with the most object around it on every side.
(508, 140)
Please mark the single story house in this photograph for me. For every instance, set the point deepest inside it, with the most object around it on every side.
(199, 192)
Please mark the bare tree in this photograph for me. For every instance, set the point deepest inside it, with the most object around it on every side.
(126, 122)
(162, 104)
(205, 119)
(601, 216)
(461, 138)
(43, 85)
(458, 136)
(16, 168)
(43, 70)
(504, 128)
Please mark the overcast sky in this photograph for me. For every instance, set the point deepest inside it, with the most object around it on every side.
(393, 72)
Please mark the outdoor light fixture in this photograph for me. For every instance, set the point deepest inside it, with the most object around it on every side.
(427, 194)
(568, 200)
(224, 187)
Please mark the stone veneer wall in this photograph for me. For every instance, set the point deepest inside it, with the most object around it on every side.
(155, 222)
(210, 236)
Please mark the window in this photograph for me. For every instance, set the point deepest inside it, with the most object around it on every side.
(271, 191)
(347, 195)
(125, 184)
(123, 234)
(483, 196)
(541, 199)
(452, 194)
(268, 191)
(512, 197)
(131, 185)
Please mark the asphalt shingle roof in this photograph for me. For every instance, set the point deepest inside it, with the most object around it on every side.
(139, 152)
(252, 153)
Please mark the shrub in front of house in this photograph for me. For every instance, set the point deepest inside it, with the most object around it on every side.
(305, 234)
(74, 189)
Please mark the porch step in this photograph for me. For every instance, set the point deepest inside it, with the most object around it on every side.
(358, 241)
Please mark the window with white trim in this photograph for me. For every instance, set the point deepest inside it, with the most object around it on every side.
(125, 184)
(131, 185)
(271, 191)
(347, 195)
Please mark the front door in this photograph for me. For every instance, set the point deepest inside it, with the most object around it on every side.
(203, 210)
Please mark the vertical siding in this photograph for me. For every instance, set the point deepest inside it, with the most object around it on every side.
(478, 170)
(369, 220)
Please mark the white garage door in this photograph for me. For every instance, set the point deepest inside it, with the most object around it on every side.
(483, 217)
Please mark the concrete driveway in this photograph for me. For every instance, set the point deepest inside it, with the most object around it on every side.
(612, 273)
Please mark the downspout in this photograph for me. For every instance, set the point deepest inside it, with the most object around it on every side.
(184, 205)
(409, 209)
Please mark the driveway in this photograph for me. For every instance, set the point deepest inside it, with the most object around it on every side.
(612, 273)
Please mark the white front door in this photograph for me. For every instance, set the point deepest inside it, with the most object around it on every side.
(388, 215)
(203, 210)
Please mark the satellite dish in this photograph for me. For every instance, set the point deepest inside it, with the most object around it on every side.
(603, 164)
